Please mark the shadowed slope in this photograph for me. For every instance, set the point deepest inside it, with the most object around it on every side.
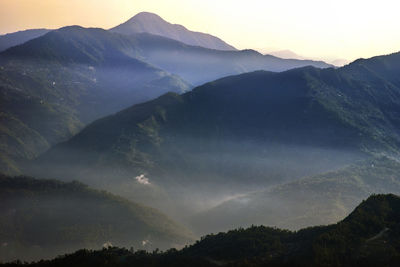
(43, 218)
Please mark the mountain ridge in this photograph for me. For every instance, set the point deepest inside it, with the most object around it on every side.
(16, 38)
(74, 75)
(154, 24)
(367, 237)
(316, 200)
(42, 218)
(209, 65)
(67, 78)
(291, 124)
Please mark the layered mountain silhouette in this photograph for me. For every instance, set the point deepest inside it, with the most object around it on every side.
(17, 38)
(53, 85)
(214, 137)
(71, 76)
(315, 106)
(240, 132)
(43, 218)
(317, 200)
(367, 237)
(285, 54)
(144, 22)
(154, 24)
(199, 65)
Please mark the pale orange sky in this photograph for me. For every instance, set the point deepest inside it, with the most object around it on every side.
(312, 28)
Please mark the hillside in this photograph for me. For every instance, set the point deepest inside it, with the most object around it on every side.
(53, 85)
(239, 134)
(367, 237)
(43, 218)
(20, 37)
(199, 65)
(154, 24)
(73, 75)
(317, 200)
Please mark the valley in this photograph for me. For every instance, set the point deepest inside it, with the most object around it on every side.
(124, 145)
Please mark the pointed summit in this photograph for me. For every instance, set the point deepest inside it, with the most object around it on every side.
(147, 16)
(154, 24)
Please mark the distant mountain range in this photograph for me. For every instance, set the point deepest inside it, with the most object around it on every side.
(71, 76)
(154, 24)
(288, 54)
(117, 111)
(143, 22)
(52, 85)
(367, 237)
(241, 132)
(214, 137)
(199, 65)
(317, 200)
(44, 218)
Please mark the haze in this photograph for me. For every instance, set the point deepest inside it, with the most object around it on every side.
(315, 29)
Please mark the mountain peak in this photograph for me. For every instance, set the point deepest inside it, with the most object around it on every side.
(72, 28)
(146, 16)
(152, 23)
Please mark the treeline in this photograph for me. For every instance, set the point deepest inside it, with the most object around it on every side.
(369, 236)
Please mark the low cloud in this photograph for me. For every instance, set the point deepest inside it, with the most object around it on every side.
(145, 243)
(142, 179)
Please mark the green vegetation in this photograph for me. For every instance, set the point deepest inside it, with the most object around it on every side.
(58, 82)
(43, 218)
(53, 85)
(328, 197)
(259, 129)
(369, 236)
(253, 114)
(317, 200)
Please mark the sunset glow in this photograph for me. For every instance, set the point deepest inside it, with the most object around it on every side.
(311, 28)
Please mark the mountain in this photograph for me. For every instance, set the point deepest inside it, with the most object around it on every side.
(199, 65)
(51, 86)
(338, 62)
(143, 22)
(238, 134)
(55, 84)
(285, 54)
(317, 200)
(17, 38)
(367, 237)
(43, 218)
(154, 24)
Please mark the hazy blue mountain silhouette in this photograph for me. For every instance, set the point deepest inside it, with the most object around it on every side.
(20, 37)
(154, 24)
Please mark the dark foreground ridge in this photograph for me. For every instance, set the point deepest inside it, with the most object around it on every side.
(44, 218)
(369, 236)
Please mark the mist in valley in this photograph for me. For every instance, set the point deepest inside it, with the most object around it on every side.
(45, 218)
(199, 179)
(126, 138)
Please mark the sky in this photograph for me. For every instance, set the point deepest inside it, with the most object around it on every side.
(320, 29)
